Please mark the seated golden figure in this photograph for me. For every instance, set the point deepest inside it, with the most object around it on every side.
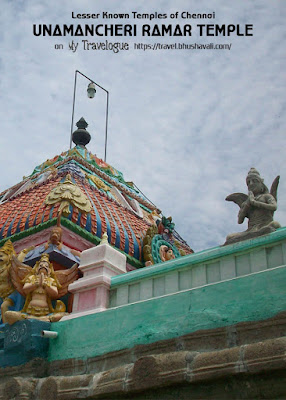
(40, 285)
(6, 286)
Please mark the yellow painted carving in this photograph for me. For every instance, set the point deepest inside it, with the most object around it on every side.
(67, 193)
(6, 286)
(181, 250)
(154, 215)
(98, 182)
(47, 163)
(104, 239)
(147, 247)
(40, 285)
(6, 253)
(74, 152)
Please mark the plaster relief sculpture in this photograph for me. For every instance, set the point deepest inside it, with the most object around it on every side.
(166, 253)
(9, 298)
(98, 182)
(158, 243)
(258, 206)
(40, 285)
(68, 193)
(55, 240)
(6, 286)
(6, 253)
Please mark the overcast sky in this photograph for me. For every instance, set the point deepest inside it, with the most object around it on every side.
(184, 125)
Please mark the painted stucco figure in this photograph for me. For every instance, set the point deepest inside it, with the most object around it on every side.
(6, 253)
(9, 297)
(6, 286)
(160, 247)
(258, 206)
(55, 239)
(40, 285)
(68, 193)
(166, 253)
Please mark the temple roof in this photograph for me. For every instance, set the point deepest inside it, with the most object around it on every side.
(116, 206)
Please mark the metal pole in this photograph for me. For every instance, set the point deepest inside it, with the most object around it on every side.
(107, 106)
(106, 126)
(73, 103)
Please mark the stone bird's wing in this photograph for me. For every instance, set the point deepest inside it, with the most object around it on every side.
(237, 198)
(274, 187)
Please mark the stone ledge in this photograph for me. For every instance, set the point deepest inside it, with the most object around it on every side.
(200, 341)
(159, 371)
(207, 340)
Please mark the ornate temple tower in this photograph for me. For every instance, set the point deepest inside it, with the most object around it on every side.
(102, 298)
(69, 203)
(86, 197)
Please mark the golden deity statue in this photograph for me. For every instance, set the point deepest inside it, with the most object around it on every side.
(40, 285)
(6, 287)
(6, 253)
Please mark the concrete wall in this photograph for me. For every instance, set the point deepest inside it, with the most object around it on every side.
(225, 299)
(199, 269)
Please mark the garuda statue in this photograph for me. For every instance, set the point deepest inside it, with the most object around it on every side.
(40, 285)
(258, 206)
(6, 253)
(8, 295)
(6, 287)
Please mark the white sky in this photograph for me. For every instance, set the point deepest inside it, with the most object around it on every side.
(184, 125)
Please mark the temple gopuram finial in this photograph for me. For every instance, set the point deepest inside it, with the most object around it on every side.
(81, 136)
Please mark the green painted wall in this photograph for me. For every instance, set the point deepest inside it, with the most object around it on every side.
(204, 256)
(199, 269)
(249, 298)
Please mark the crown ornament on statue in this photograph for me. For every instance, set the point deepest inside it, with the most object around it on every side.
(45, 257)
(253, 173)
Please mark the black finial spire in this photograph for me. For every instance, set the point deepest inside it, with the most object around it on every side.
(81, 136)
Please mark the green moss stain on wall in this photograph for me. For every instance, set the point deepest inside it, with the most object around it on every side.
(249, 298)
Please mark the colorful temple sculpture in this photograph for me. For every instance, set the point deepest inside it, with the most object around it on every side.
(102, 298)
(86, 197)
(69, 204)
